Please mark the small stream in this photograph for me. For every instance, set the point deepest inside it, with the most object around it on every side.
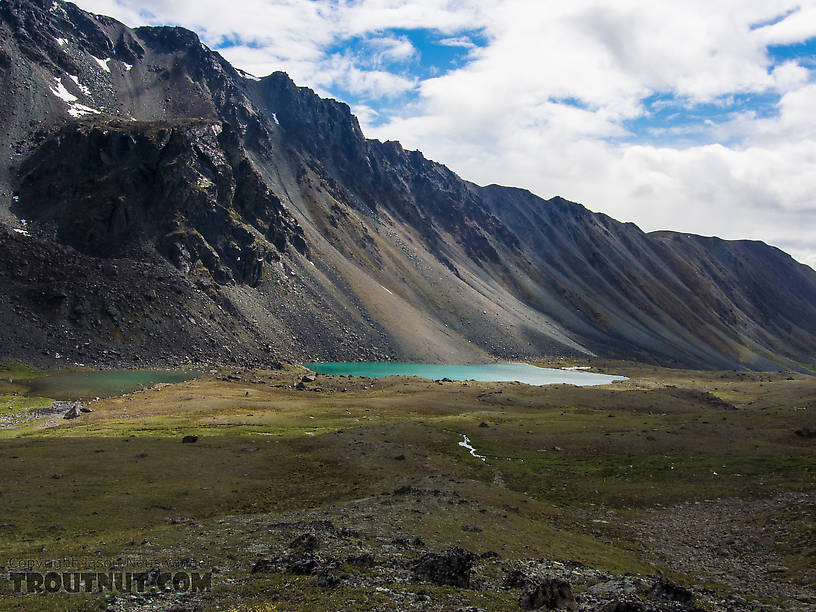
(465, 443)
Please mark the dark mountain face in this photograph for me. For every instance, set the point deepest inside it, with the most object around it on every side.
(274, 230)
(183, 189)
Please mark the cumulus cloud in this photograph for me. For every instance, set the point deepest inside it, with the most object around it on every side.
(391, 49)
(458, 41)
(608, 103)
(797, 25)
(344, 69)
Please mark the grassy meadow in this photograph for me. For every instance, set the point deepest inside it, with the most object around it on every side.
(568, 470)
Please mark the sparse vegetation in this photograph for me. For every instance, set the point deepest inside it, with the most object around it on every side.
(569, 471)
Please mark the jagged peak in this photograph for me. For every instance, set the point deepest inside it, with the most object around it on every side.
(282, 81)
(175, 36)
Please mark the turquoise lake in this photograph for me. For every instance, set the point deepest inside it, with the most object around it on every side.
(489, 372)
(86, 385)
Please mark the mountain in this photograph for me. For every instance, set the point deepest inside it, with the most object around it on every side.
(160, 206)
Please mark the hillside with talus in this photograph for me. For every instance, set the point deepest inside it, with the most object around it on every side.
(161, 206)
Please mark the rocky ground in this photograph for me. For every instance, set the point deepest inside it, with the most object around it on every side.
(734, 541)
(59, 306)
(359, 547)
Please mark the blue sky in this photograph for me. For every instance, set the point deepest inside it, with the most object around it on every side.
(694, 116)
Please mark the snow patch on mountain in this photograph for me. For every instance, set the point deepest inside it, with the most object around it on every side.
(247, 75)
(77, 110)
(103, 63)
(83, 88)
(62, 93)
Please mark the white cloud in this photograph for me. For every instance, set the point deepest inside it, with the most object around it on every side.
(365, 114)
(797, 26)
(458, 41)
(343, 70)
(789, 76)
(391, 49)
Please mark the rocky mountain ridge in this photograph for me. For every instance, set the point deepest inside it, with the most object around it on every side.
(268, 204)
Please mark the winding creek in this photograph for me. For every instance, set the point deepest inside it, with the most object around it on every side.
(466, 444)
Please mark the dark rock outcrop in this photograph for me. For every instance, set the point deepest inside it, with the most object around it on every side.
(452, 567)
(72, 413)
(302, 563)
(665, 589)
(306, 542)
(184, 189)
(263, 566)
(549, 594)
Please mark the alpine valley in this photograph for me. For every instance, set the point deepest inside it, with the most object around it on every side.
(161, 207)
(181, 240)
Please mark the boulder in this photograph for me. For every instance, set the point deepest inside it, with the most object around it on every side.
(451, 567)
(328, 578)
(665, 589)
(264, 565)
(153, 577)
(72, 413)
(364, 559)
(189, 439)
(515, 579)
(307, 542)
(302, 563)
(549, 594)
